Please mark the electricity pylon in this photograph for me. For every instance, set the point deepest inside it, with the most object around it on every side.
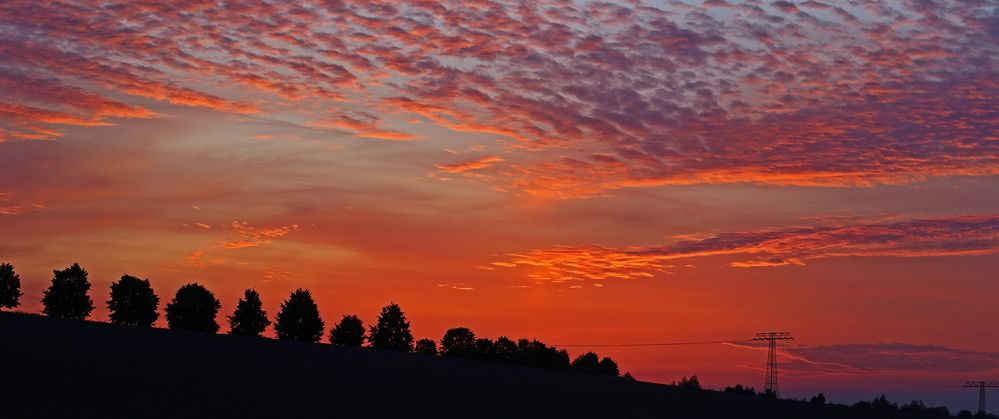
(982, 385)
(772, 338)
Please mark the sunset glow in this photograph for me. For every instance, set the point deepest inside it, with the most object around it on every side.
(581, 172)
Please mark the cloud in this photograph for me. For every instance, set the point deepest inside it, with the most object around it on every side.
(365, 126)
(585, 97)
(964, 235)
(464, 166)
(242, 235)
(249, 236)
(883, 358)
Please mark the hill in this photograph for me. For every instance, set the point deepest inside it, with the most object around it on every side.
(64, 368)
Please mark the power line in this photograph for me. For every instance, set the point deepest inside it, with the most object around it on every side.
(595, 345)
(771, 338)
(981, 385)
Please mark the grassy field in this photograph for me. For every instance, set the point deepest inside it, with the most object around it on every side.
(75, 369)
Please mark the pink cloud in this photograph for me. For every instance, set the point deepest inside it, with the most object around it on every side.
(619, 96)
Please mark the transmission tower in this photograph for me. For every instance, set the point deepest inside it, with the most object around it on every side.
(982, 385)
(772, 338)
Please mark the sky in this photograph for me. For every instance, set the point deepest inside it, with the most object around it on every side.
(580, 172)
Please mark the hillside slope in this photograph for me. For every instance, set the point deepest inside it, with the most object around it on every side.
(62, 368)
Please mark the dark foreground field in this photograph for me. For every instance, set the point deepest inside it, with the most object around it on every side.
(76, 369)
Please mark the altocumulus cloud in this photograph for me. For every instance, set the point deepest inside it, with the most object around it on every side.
(585, 97)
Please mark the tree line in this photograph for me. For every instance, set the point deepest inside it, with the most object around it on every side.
(194, 307)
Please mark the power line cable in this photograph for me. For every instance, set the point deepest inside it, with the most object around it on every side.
(709, 342)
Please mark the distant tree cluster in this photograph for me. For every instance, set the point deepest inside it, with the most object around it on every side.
(882, 405)
(461, 342)
(688, 383)
(879, 407)
(194, 307)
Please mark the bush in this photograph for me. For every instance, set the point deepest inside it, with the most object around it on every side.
(299, 318)
(391, 331)
(458, 342)
(133, 302)
(10, 287)
(193, 308)
(249, 319)
(67, 296)
(348, 332)
(426, 347)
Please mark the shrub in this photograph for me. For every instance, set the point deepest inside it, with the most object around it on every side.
(348, 332)
(67, 296)
(299, 318)
(249, 319)
(193, 308)
(133, 302)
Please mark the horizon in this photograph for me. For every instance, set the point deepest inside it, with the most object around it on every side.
(579, 172)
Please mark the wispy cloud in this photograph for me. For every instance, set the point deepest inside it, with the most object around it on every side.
(464, 166)
(965, 235)
(241, 235)
(882, 358)
(250, 236)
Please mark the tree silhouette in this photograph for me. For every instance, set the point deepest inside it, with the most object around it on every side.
(348, 332)
(133, 302)
(249, 318)
(10, 287)
(483, 349)
(609, 367)
(459, 342)
(504, 349)
(391, 331)
(587, 363)
(689, 383)
(299, 318)
(67, 296)
(426, 347)
(749, 391)
(536, 353)
(193, 308)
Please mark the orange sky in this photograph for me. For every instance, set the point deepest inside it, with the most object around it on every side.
(578, 172)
